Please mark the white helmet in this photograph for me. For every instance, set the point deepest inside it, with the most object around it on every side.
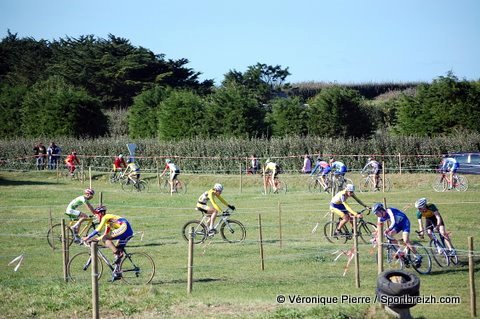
(350, 188)
(218, 187)
(120, 156)
(422, 202)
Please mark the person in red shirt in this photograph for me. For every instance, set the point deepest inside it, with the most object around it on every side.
(119, 164)
(71, 160)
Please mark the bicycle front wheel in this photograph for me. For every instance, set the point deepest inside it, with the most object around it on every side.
(393, 262)
(141, 186)
(181, 187)
(439, 254)
(382, 182)
(314, 186)
(199, 231)
(281, 187)
(233, 231)
(366, 231)
(80, 268)
(439, 184)
(137, 268)
(425, 266)
(365, 184)
(54, 236)
(461, 183)
(127, 185)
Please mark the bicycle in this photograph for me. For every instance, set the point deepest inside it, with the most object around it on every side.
(440, 253)
(116, 176)
(367, 183)
(129, 184)
(279, 184)
(406, 259)
(315, 184)
(231, 230)
(337, 182)
(75, 176)
(442, 182)
(365, 230)
(54, 234)
(135, 268)
(180, 187)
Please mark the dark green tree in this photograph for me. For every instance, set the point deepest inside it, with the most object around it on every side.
(288, 116)
(181, 115)
(55, 108)
(143, 115)
(338, 112)
(11, 98)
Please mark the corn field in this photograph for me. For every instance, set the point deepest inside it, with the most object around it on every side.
(229, 155)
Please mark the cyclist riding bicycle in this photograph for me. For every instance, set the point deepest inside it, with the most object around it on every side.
(433, 219)
(119, 164)
(174, 171)
(116, 228)
(271, 172)
(70, 161)
(212, 195)
(74, 214)
(339, 206)
(323, 170)
(373, 168)
(399, 222)
(449, 165)
(132, 171)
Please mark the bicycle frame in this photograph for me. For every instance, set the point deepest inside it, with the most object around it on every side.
(54, 234)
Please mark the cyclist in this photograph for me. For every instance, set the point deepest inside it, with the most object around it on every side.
(119, 164)
(70, 161)
(399, 222)
(338, 168)
(271, 172)
(432, 219)
(323, 170)
(174, 171)
(449, 165)
(132, 171)
(373, 168)
(212, 195)
(116, 228)
(339, 206)
(74, 214)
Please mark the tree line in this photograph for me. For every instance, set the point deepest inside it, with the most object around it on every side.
(66, 87)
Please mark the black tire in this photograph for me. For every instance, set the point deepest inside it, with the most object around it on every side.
(200, 231)
(409, 285)
(234, 232)
(328, 230)
(439, 254)
(393, 263)
(314, 186)
(54, 236)
(439, 184)
(366, 231)
(282, 187)
(137, 268)
(127, 185)
(141, 186)
(364, 184)
(426, 265)
(79, 268)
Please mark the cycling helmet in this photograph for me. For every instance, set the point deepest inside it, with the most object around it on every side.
(130, 160)
(218, 187)
(421, 203)
(377, 207)
(268, 161)
(89, 192)
(350, 188)
(74, 153)
(120, 156)
(168, 161)
(369, 159)
(100, 210)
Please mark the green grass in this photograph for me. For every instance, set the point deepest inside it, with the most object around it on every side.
(228, 280)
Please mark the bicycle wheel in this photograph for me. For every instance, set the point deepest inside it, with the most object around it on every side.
(314, 186)
(461, 183)
(328, 231)
(140, 186)
(137, 268)
(365, 184)
(54, 236)
(366, 231)
(281, 187)
(233, 231)
(127, 185)
(439, 184)
(387, 183)
(425, 266)
(79, 268)
(392, 261)
(453, 257)
(181, 187)
(199, 231)
(113, 178)
(439, 254)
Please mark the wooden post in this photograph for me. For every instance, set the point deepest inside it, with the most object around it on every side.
(65, 242)
(190, 261)
(58, 173)
(471, 276)
(355, 251)
(51, 227)
(280, 223)
(101, 198)
(264, 181)
(158, 174)
(90, 176)
(241, 177)
(383, 176)
(400, 163)
(379, 247)
(82, 179)
(262, 262)
(95, 297)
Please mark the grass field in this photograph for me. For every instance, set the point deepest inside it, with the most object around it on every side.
(228, 280)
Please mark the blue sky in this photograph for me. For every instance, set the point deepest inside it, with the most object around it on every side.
(344, 41)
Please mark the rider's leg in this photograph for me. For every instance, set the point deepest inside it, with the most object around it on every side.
(444, 233)
(345, 219)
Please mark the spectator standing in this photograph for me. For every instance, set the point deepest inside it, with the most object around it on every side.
(307, 165)
(53, 152)
(40, 153)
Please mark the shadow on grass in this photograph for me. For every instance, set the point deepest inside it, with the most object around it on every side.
(8, 182)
